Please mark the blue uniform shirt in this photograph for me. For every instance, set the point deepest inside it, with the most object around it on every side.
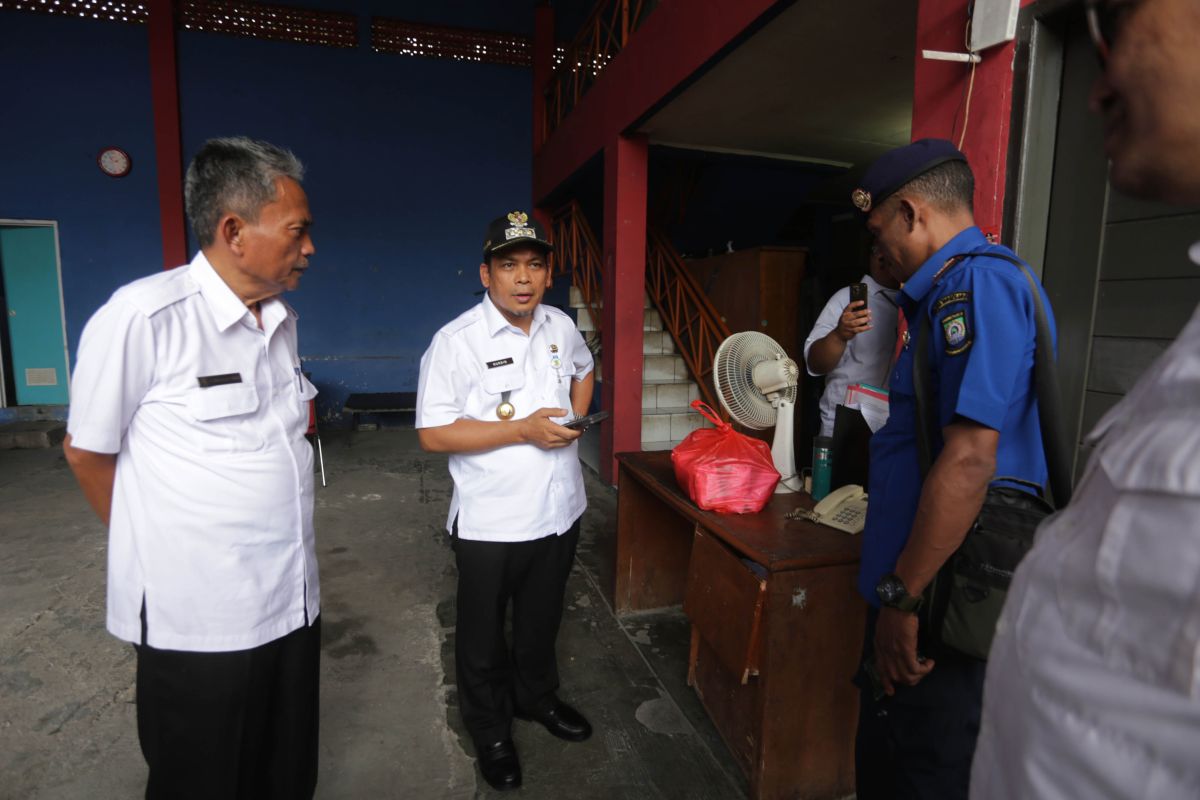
(982, 338)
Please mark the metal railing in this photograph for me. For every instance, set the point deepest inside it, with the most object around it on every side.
(687, 314)
(603, 35)
(576, 253)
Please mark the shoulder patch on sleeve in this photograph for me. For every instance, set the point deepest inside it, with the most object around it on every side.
(951, 299)
(463, 321)
(956, 333)
(155, 292)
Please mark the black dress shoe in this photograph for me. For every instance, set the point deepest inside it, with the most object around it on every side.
(499, 765)
(561, 720)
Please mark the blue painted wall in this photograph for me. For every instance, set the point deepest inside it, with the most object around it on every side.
(407, 159)
(73, 87)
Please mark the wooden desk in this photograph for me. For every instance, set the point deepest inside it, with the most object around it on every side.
(774, 643)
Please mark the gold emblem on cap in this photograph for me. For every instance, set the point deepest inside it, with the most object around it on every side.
(861, 199)
(505, 410)
(517, 218)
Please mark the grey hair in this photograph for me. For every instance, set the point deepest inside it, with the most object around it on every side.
(949, 186)
(234, 175)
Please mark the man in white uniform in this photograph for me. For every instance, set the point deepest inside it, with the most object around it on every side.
(852, 342)
(495, 383)
(186, 433)
(1093, 684)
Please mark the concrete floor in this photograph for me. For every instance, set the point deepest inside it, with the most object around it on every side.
(389, 721)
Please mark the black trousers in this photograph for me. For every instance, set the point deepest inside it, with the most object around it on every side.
(491, 676)
(919, 742)
(240, 724)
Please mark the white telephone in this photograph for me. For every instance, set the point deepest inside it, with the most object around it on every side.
(844, 509)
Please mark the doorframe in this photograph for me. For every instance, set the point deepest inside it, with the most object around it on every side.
(1039, 68)
(1033, 127)
(62, 308)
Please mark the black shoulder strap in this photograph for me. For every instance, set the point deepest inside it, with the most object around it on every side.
(1045, 378)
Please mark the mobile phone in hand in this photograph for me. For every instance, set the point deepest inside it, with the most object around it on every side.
(858, 293)
(583, 423)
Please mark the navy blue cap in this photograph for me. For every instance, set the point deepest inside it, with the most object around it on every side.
(897, 167)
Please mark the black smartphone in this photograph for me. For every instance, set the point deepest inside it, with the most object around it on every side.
(858, 293)
(583, 423)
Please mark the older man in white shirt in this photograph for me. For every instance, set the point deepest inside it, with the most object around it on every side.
(186, 433)
(1093, 683)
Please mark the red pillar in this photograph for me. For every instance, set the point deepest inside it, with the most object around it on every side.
(164, 92)
(543, 66)
(938, 91)
(624, 283)
(542, 215)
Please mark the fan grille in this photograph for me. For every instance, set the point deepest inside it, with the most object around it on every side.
(733, 378)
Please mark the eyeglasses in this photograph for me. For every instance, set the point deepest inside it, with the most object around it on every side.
(1104, 20)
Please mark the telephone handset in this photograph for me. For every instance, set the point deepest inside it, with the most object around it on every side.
(844, 509)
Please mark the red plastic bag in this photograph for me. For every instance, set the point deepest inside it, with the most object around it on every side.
(723, 470)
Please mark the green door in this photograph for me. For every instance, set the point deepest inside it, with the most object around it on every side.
(34, 314)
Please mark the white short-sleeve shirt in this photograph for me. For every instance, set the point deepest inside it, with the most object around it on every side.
(212, 507)
(518, 492)
(868, 355)
(1093, 681)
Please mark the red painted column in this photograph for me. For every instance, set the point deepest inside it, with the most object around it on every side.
(676, 40)
(542, 215)
(543, 66)
(164, 92)
(624, 282)
(938, 108)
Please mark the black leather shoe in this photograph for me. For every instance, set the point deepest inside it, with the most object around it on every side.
(561, 720)
(499, 765)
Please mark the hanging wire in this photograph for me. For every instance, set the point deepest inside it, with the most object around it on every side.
(970, 85)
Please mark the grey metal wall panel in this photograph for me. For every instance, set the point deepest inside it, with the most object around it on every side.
(1150, 248)
(1095, 406)
(1118, 363)
(1122, 207)
(1150, 309)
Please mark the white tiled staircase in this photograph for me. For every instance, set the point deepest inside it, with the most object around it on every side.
(667, 389)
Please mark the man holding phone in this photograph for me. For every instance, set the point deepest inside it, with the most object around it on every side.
(496, 384)
(854, 337)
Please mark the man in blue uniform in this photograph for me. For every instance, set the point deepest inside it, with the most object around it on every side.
(920, 715)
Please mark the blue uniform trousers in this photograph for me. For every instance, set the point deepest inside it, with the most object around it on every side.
(919, 742)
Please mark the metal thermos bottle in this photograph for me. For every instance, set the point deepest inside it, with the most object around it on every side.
(822, 466)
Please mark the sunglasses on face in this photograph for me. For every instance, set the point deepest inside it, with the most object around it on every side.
(1104, 20)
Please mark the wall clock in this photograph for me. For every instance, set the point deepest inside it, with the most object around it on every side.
(114, 162)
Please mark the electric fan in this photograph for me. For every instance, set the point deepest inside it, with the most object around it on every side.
(756, 381)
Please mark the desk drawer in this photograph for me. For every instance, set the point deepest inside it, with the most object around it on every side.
(724, 600)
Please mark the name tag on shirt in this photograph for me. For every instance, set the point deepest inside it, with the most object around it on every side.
(501, 362)
(208, 381)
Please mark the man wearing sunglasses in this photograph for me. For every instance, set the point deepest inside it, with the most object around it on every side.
(1093, 683)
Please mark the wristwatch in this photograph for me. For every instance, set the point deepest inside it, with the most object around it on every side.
(893, 594)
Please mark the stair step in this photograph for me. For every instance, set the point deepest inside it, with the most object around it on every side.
(576, 299)
(669, 395)
(657, 343)
(651, 320)
(28, 435)
(664, 369)
(662, 425)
